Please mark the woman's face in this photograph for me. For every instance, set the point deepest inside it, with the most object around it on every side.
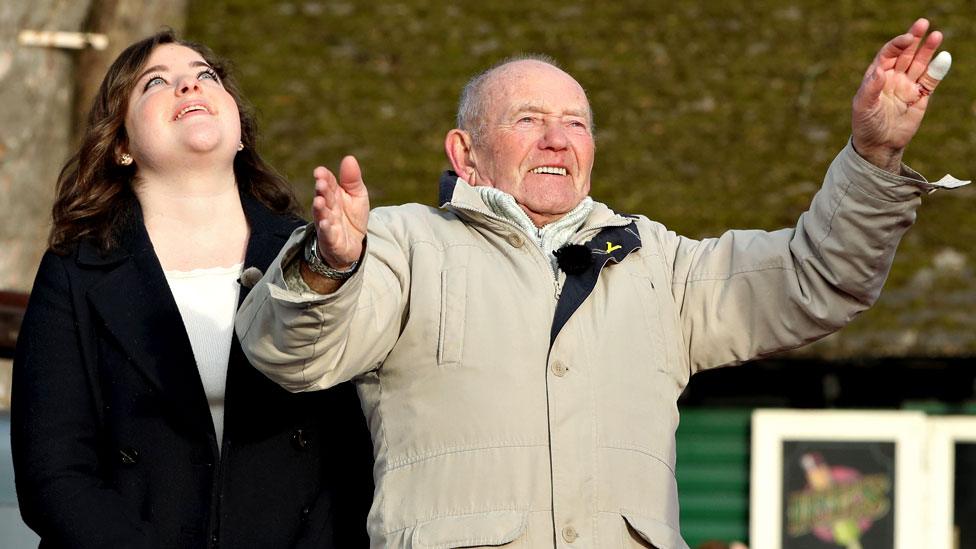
(179, 113)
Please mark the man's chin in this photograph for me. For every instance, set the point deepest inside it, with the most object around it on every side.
(550, 210)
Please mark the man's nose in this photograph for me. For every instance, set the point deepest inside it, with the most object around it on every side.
(555, 136)
(187, 84)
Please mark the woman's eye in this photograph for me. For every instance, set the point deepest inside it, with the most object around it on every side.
(526, 120)
(209, 74)
(154, 81)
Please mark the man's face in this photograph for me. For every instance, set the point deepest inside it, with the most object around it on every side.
(537, 144)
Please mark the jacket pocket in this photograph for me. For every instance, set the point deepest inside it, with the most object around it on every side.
(450, 336)
(133, 484)
(651, 311)
(490, 529)
(654, 533)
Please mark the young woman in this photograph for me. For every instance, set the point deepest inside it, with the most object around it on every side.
(136, 419)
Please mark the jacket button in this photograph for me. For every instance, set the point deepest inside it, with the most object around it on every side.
(559, 369)
(516, 240)
(299, 441)
(305, 513)
(128, 456)
(570, 534)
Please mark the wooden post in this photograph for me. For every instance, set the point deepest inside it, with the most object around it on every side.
(35, 113)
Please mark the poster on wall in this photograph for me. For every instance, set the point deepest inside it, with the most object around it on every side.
(952, 486)
(838, 494)
(837, 479)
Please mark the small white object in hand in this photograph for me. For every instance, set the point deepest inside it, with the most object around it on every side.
(939, 66)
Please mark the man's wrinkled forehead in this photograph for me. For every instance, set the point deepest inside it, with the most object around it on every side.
(528, 86)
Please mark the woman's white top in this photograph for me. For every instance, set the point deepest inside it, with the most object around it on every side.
(207, 299)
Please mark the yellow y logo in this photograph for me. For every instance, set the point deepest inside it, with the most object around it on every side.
(611, 247)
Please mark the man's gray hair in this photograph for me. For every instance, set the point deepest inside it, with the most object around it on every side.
(473, 104)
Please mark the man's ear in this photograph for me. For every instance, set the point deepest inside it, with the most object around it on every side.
(459, 149)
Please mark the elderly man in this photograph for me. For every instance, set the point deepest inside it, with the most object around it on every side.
(523, 398)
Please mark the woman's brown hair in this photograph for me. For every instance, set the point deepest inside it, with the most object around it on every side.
(94, 192)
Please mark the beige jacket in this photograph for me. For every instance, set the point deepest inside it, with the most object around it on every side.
(485, 434)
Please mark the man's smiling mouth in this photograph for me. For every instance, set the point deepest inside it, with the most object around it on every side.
(552, 170)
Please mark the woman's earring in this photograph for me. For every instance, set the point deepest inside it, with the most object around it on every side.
(240, 146)
(125, 159)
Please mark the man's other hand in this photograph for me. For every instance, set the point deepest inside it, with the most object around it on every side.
(889, 106)
(340, 211)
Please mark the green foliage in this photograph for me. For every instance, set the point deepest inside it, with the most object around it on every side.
(710, 115)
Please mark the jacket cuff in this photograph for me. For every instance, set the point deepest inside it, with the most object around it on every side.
(885, 185)
(287, 284)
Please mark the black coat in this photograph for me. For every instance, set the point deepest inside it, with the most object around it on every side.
(112, 437)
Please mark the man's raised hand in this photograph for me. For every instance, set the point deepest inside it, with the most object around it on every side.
(340, 211)
(889, 106)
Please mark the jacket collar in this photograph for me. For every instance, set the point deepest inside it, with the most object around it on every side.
(135, 304)
(457, 193)
(268, 233)
(134, 240)
(445, 187)
(602, 226)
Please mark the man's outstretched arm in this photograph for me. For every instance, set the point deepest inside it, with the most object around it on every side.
(793, 286)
